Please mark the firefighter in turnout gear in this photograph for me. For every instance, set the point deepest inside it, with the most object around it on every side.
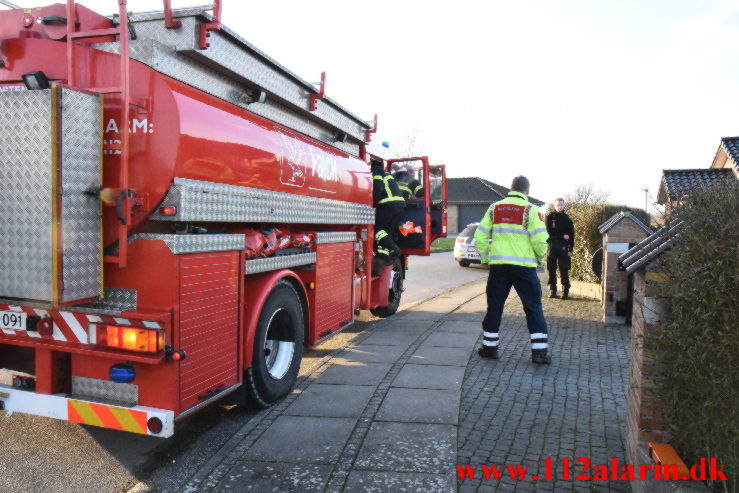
(512, 239)
(390, 205)
(561, 242)
(409, 186)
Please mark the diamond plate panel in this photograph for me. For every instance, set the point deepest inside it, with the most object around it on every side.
(203, 201)
(81, 221)
(148, 25)
(255, 266)
(335, 237)
(125, 394)
(182, 244)
(166, 60)
(243, 61)
(25, 189)
(115, 302)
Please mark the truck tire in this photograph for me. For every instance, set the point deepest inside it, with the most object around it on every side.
(396, 290)
(278, 347)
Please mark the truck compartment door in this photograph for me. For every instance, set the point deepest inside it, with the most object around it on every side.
(414, 237)
(437, 193)
(209, 324)
(50, 167)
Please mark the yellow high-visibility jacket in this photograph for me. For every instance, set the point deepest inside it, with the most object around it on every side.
(519, 235)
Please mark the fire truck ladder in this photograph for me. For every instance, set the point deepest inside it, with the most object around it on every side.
(123, 89)
(123, 195)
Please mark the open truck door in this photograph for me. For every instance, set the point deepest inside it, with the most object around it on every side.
(425, 213)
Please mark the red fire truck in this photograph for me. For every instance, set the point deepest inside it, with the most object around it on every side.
(180, 214)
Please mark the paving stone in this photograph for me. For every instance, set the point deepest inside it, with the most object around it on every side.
(473, 317)
(420, 406)
(354, 373)
(515, 413)
(461, 327)
(368, 353)
(451, 339)
(301, 439)
(427, 315)
(408, 447)
(403, 325)
(321, 400)
(429, 377)
(443, 356)
(400, 339)
(275, 477)
(374, 481)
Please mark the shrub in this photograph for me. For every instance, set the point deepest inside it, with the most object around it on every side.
(698, 351)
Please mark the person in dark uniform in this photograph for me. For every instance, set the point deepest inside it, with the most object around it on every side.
(408, 185)
(561, 243)
(390, 205)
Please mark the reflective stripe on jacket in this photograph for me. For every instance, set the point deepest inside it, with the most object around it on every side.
(388, 189)
(517, 230)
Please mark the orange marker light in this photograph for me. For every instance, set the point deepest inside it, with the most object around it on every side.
(130, 338)
(112, 332)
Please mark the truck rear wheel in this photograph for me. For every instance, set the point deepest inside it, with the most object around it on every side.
(278, 347)
(396, 290)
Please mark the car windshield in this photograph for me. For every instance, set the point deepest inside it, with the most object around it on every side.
(469, 231)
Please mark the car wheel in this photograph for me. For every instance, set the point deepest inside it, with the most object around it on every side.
(464, 263)
(278, 346)
(396, 290)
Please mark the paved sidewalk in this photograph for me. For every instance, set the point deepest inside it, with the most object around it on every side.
(383, 414)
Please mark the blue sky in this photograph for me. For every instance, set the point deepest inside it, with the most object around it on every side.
(567, 92)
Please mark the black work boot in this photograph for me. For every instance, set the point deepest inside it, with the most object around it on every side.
(553, 293)
(566, 293)
(490, 352)
(541, 358)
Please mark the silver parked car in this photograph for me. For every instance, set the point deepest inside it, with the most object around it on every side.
(464, 247)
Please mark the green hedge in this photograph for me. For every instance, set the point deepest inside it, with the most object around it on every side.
(587, 216)
(698, 352)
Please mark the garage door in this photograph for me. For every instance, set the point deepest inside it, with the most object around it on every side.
(471, 214)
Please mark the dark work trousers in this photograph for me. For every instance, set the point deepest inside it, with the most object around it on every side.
(558, 255)
(388, 219)
(526, 283)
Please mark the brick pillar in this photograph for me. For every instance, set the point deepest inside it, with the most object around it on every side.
(617, 241)
(644, 421)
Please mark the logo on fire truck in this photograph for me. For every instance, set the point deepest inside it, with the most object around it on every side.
(292, 169)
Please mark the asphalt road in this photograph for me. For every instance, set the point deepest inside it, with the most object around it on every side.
(42, 455)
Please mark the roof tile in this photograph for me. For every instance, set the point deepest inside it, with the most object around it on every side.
(676, 183)
(731, 144)
(617, 217)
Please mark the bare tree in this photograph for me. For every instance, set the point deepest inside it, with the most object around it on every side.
(409, 143)
(587, 193)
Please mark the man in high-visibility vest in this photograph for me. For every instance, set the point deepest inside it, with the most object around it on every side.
(512, 238)
(390, 205)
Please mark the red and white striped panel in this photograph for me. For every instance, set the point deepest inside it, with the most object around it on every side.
(72, 326)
